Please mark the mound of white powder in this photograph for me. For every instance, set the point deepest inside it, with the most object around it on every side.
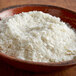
(37, 36)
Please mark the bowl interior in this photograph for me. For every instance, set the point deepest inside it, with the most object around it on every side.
(65, 15)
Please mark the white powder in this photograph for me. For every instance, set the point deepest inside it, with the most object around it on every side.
(37, 36)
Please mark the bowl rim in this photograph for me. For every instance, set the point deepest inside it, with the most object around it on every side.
(56, 64)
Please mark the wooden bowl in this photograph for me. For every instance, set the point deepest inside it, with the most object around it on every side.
(65, 15)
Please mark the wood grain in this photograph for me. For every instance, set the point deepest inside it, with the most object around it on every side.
(7, 70)
(70, 4)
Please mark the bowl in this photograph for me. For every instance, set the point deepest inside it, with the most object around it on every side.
(66, 15)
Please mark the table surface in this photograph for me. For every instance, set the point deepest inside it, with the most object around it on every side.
(7, 70)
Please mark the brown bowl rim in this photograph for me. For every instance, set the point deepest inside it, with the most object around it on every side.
(56, 64)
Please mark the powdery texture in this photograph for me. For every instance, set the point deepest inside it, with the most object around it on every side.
(37, 36)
